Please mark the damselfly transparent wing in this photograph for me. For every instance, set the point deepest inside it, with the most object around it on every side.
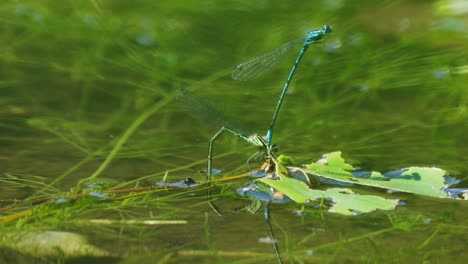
(201, 109)
(256, 66)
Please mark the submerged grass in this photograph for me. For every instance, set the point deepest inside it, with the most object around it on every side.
(133, 212)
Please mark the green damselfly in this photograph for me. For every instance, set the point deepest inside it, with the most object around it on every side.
(258, 65)
(244, 71)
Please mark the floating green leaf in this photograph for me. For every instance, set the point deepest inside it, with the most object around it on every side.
(346, 202)
(417, 180)
(285, 160)
(343, 201)
(298, 191)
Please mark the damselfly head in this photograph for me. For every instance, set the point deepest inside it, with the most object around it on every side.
(327, 29)
(317, 35)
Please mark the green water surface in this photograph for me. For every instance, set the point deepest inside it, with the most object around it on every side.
(87, 89)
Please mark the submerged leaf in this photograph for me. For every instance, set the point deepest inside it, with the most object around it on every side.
(45, 244)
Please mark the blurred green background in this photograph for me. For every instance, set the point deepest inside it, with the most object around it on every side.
(388, 88)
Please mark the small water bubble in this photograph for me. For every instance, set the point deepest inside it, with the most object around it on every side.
(61, 200)
(21, 10)
(89, 19)
(442, 73)
(145, 39)
(215, 171)
(99, 195)
(168, 57)
(95, 185)
(364, 88)
(38, 17)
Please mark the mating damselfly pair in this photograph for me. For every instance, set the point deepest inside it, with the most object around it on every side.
(244, 71)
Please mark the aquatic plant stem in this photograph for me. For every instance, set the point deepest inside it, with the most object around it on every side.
(128, 133)
(270, 231)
